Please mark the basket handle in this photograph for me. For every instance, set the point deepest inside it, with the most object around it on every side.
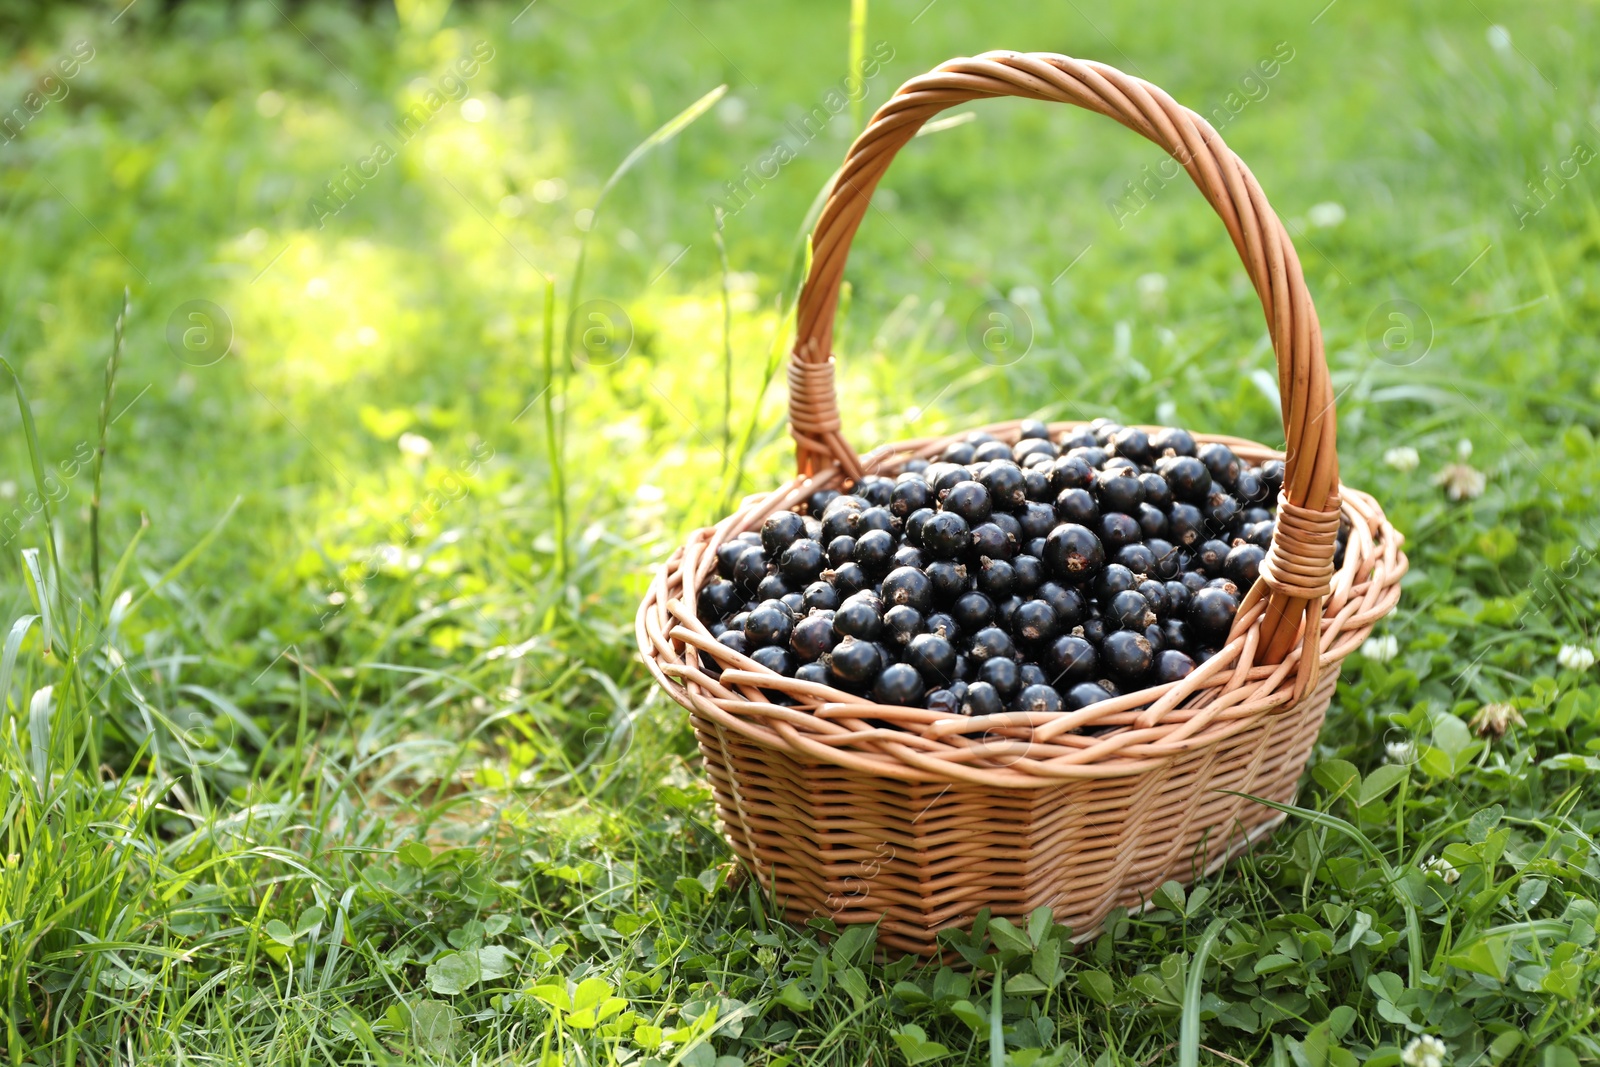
(1299, 567)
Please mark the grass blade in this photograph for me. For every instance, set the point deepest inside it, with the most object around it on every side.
(1189, 1028)
(30, 432)
(8, 660)
(855, 79)
(189, 556)
(106, 398)
(44, 592)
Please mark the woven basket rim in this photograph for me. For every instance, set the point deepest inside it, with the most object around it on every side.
(1149, 727)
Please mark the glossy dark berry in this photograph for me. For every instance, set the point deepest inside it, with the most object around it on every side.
(1175, 635)
(718, 600)
(1117, 529)
(1033, 430)
(1070, 659)
(1077, 506)
(1001, 673)
(898, 684)
(1243, 564)
(957, 452)
(860, 617)
(972, 612)
(812, 636)
(992, 641)
(1221, 511)
(1249, 488)
(1127, 655)
(1155, 594)
(1152, 521)
(1132, 444)
(988, 540)
(1071, 472)
(802, 561)
(1260, 533)
(1083, 694)
(1221, 462)
(1172, 441)
(816, 673)
(735, 640)
(848, 578)
(1210, 556)
(1035, 520)
(750, 568)
(875, 490)
(841, 550)
(782, 529)
(1029, 571)
(982, 699)
(934, 658)
(1185, 525)
(1166, 556)
(990, 451)
(900, 624)
(728, 554)
(1120, 490)
(949, 579)
(996, 578)
(874, 519)
(914, 524)
(772, 587)
(944, 701)
(1157, 493)
(1073, 553)
(769, 624)
(1031, 447)
(820, 500)
(1172, 665)
(1005, 484)
(946, 535)
(822, 596)
(1137, 557)
(910, 495)
(1035, 621)
(1189, 478)
(948, 478)
(909, 556)
(1036, 482)
(1113, 580)
(909, 586)
(874, 551)
(854, 662)
(776, 659)
(1129, 610)
(1211, 614)
(943, 624)
(1272, 475)
(970, 500)
(1068, 602)
(1094, 630)
(1042, 699)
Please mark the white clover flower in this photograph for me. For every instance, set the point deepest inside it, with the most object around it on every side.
(1443, 868)
(414, 444)
(1575, 657)
(1464, 449)
(1424, 1051)
(1403, 459)
(1461, 481)
(1402, 753)
(1381, 649)
(1493, 720)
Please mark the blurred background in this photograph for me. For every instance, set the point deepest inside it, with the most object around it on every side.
(382, 527)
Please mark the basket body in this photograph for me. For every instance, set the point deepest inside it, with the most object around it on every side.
(920, 857)
(837, 821)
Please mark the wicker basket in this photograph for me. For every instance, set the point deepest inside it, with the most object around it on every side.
(915, 820)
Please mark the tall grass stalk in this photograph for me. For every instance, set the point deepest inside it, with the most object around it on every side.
(552, 433)
(727, 342)
(107, 396)
(858, 56)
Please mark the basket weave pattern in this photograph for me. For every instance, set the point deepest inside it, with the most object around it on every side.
(868, 813)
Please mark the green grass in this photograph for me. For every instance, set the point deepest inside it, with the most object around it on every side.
(335, 749)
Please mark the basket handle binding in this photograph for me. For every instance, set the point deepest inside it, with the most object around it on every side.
(1298, 570)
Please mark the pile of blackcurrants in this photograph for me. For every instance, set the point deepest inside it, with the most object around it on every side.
(1040, 576)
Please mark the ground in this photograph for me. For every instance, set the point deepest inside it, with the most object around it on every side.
(326, 740)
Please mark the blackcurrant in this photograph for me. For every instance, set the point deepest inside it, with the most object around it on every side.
(996, 578)
(944, 701)
(854, 662)
(816, 673)
(1137, 557)
(1071, 659)
(900, 624)
(909, 496)
(782, 529)
(949, 579)
(1243, 564)
(1038, 698)
(1029, 571)
(860, 617)
(934, 657)
(874, 551)
(1211, 614)
(1133, 444)
(1005, 485)
(848, 578)
(775, 659)
(909, 556)
(772, 587)
(915, 522)
(990, 451)
(802, 561)
(1073, 552)
(1129, 610)
(841, 550)
(1220, 461)
(821, 596)
(1157, 493)
(970, 500)
(717, 601)
(1031, 447)
(875, 490)
(1185, 524)
(946, 535)
(972, 612)
(1035, 621)
(1113, 580)
(1084, 694)
(750, 568)
(1120, 490)
(989, 541)
(820, 500)
(812, 636)
(1068, 602)
(991, 641)
(1033, 429)
(957, 452)
(907, 585)
(1210, 556)
(1077, 506)
(735, 640)
(1117, 529)
(898, 684)
(1127, 655)
(1172, 665)
(1189, 478)
(1071, 472)
(1172, 441)
(982, 699)
(769, 624)
(1001, 673)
